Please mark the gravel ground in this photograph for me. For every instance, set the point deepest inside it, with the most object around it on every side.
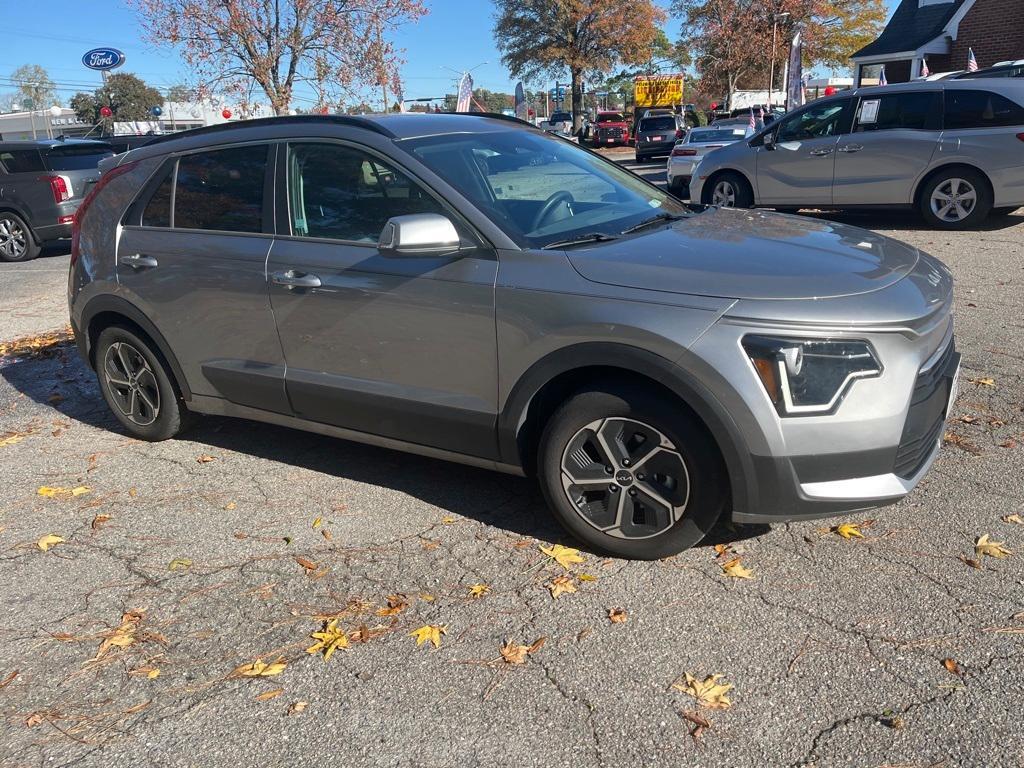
(186, 560)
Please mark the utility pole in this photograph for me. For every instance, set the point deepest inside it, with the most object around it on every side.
(771, 68)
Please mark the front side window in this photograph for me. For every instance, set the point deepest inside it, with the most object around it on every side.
(21, 160)
(342, 193)
(818, 121)
(981, 109)
(539, 189)
(221, 189)
(917, 110)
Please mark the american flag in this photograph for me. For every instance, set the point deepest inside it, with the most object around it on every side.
(972, 63)
(925, 72)
(881, 77)
(753, 123)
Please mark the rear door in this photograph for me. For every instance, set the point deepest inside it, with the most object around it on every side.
(192, 256)
(799, 169)
(21, 188)
(398, 347)
(894, 138)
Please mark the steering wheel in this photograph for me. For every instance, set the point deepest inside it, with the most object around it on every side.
(550, 206)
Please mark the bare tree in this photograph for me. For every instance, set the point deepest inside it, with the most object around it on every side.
(336, 47)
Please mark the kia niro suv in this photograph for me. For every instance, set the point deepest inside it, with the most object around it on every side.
(471, 288)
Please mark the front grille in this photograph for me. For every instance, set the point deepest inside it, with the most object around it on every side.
(610, 133)
(927, 415)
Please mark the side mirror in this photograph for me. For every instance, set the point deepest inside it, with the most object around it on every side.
(769, 140)
(418, 234)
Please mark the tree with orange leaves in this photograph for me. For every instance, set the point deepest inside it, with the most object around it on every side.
(581, 37)
(336, 47)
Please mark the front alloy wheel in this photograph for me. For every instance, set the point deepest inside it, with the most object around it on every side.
(131, 383)
(625, 478)
(724, 194)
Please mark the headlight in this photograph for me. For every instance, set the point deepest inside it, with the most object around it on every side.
(809, 376)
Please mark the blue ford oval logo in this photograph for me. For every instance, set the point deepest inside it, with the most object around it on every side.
(102, 59)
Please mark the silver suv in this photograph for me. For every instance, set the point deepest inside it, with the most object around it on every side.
(951, 148)
(471, 288)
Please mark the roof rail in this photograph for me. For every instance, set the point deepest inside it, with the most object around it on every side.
(498, 116)
(355, 122)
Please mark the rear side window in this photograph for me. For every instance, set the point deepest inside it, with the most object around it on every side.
(981, 109)
(915, 111)
(77, 157)
(21, 160)
(158, 210)
(221, 190)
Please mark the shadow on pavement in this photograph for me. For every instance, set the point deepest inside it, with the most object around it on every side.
(505, 501)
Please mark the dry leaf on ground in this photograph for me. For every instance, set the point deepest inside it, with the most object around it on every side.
(396, 604)
(179, 564)
(328, 640)
(848, 531)
(268, 695)
(49, 540)
(736, 569)
(951, 666)
(478, 590)
(617, 615)
(564, 556)
(708, 692)
(984, 547)
(260, 668)
(1012, 519)
(431, 633)
(297, 707)
(561, 585)
(205, 458)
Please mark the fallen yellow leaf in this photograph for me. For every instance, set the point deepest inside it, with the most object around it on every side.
(99, 520)
(328, 640)
(478, 590)
(736, 569)
(514, 654)
(80, 490)
(205, 458)
(951, 666)
(268, 695)
(317, 522)
(396, 604)
(230, 505)
(1013, 519)
(447, 519)
(586, 577)
(179, 564)
(561, 585)
(11, 440)
(564, 556)
(848, 531)
(297, 707)
(260, 668)
(617, 615)
(990, 548)
(986, 382)
(49, 540)
(431, 632)
(708, 692)
(49, 492)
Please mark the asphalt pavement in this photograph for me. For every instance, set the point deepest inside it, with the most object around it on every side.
(190, 570)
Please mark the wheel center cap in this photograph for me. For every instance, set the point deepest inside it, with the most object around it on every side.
(624, 477)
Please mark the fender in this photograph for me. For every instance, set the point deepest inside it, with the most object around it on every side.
(685, 385)
(120, 306)
(11, 207)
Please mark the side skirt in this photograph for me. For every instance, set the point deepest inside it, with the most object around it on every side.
(215, 406)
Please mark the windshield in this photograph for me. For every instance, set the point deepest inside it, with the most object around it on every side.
(610, 117)
(76, 157)
(698, 136)
(539, 189)
(666, 123)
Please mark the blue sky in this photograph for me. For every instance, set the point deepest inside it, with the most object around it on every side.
(55, 34)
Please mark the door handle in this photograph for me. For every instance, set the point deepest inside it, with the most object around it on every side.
(294, 279)
(138, 261)
(821, 152)
(851, 148)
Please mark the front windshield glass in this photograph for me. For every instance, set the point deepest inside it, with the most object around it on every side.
(610, 117)
(539, 189)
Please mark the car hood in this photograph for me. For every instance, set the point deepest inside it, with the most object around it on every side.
(743, 254)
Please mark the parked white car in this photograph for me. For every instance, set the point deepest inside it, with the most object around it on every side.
(689, 151)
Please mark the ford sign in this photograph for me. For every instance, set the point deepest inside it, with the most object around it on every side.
(102, 59)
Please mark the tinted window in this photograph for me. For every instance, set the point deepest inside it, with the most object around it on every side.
(919, 110)
(666, 123)
(344, 194)
(557, 117)
(221, 190)
(981, 109)
(610, 117)
(819, 120)
(77, 157)
(158, 209)
(21, 160)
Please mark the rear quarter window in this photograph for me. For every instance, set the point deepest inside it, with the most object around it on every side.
(981, 109)
(21, 160)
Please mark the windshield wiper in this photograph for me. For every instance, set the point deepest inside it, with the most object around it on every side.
(592, 237)
(653, 220)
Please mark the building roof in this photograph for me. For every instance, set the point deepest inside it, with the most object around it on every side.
(910, 27)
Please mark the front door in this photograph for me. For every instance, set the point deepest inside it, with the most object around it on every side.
(893, 140)
(193, 259)
(798, 169)
(401, 347)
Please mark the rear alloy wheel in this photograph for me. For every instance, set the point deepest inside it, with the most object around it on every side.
(631, 473)
(729, 190)
(16, 241)
(137, 385)
(956, 199)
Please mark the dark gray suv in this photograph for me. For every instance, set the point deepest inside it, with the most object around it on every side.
(41, 185)
(471, 288)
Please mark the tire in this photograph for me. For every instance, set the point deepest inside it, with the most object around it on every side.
(967, 190)
(730, 190)
(157, 411)
(17, 243)
(686, 472)
(678, 189)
